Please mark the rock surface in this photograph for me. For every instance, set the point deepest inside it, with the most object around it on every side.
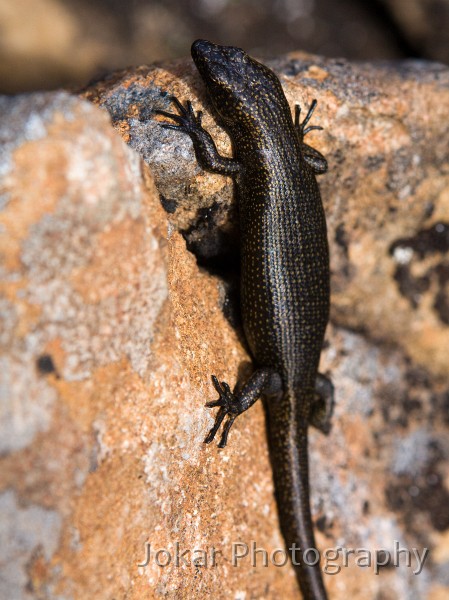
(386, 194)
(111, 331)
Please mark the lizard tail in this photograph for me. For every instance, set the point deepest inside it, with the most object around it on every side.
(288, 451)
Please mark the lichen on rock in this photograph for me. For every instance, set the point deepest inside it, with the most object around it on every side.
(119, 300)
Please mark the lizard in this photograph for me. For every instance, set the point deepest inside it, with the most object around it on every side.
(285, 276)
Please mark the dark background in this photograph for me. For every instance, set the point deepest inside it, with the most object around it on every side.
(46, 44)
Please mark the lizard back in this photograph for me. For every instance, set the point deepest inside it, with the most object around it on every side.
(284, 248)
(284, 275)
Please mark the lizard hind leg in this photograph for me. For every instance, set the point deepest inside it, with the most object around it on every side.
(263, 381)
(324, 404)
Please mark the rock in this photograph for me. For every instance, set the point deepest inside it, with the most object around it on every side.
(105, 375)
(112, 330)
(385, 137)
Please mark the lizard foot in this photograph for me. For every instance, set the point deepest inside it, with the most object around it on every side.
(324, 404)
(263, 381)
(230, 405)
(185, 119)
(313, 158)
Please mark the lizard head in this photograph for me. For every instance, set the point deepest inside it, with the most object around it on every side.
(238, 85)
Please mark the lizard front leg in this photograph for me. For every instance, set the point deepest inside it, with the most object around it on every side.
(205, 149)
(313, 158)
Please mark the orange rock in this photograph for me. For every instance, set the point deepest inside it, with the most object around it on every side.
(112, 329)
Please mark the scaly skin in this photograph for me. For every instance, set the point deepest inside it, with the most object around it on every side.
(285, 271)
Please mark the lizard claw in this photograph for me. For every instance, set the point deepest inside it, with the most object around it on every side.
(301, 126)
(185, 119)
(229, 405)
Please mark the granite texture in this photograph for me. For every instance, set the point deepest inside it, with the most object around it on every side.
(119, 301)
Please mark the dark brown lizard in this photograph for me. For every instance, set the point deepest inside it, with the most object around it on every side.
(284, 273)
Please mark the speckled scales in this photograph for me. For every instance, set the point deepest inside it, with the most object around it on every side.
(285, 268)
(285, 273)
